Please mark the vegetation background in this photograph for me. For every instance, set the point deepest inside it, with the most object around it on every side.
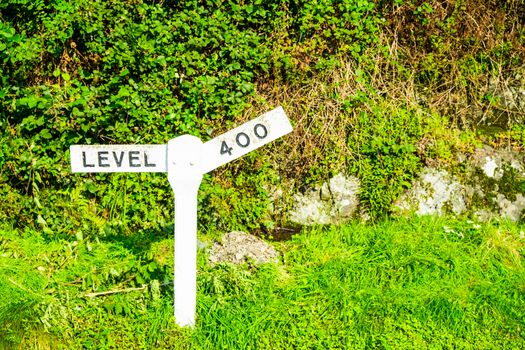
(376, 89)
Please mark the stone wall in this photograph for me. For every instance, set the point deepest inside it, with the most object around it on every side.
(490, 184)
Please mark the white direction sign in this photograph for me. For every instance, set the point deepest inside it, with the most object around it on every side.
(153, 158)
(245, 138)
(185, 159)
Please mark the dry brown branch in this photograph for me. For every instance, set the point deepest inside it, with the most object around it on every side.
(114, 291)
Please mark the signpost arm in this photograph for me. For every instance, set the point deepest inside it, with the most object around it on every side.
(185, 176)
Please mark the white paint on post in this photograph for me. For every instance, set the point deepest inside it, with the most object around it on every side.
(118, 158)
(185, 159)
(245, 138)
(185, 176)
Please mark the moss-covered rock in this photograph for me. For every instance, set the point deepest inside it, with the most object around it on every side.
(491, 184)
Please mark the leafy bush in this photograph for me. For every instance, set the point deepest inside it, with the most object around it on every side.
(384, 143)
(144, 72)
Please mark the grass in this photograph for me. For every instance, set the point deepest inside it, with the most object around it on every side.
(421, 283)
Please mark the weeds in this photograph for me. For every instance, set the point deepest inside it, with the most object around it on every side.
(93, 73)
(419, 283)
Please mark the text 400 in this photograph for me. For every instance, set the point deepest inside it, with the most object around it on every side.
(243, 140)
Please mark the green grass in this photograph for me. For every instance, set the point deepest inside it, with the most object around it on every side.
(423, 283)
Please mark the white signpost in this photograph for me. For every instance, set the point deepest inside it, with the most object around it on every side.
(185, 159)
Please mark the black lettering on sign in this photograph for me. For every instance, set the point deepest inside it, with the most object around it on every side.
(225, 148)
(84, 163)
(133, 156)
(102, 159)
(118, 160)
(242, 140)
(260, 131)
(146, 164)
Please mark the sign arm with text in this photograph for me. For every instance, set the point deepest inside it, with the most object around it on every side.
(245, 138)
(118, 158)
(185, 159)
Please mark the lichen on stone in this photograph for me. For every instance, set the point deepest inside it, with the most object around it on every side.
(491, 185)
(432, 193)
(334, 202)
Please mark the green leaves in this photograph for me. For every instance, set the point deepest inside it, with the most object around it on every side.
(338, 26)
(144, 72)
(385, 139)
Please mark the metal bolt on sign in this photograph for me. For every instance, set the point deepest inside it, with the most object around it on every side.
(185, 158)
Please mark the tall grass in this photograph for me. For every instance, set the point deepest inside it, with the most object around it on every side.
(423, 283)
(399, 285)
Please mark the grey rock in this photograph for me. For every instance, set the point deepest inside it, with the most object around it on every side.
(493, 162)
(511, 210)
(334, 202)
(483, 190)
(238, 247)
(433, 192)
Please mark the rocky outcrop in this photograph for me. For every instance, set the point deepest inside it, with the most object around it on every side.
(434, 192)
(492, 185)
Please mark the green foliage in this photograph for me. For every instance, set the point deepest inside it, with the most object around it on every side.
(144, 72)
(241, 200)
(455, 48)
(337, 26)
(422, 283)
(517, 135)
(418, 284)
(383, 142)
(25, 302)
(44, 284)
(141, 71)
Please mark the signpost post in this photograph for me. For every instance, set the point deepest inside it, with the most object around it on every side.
(185, 159)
